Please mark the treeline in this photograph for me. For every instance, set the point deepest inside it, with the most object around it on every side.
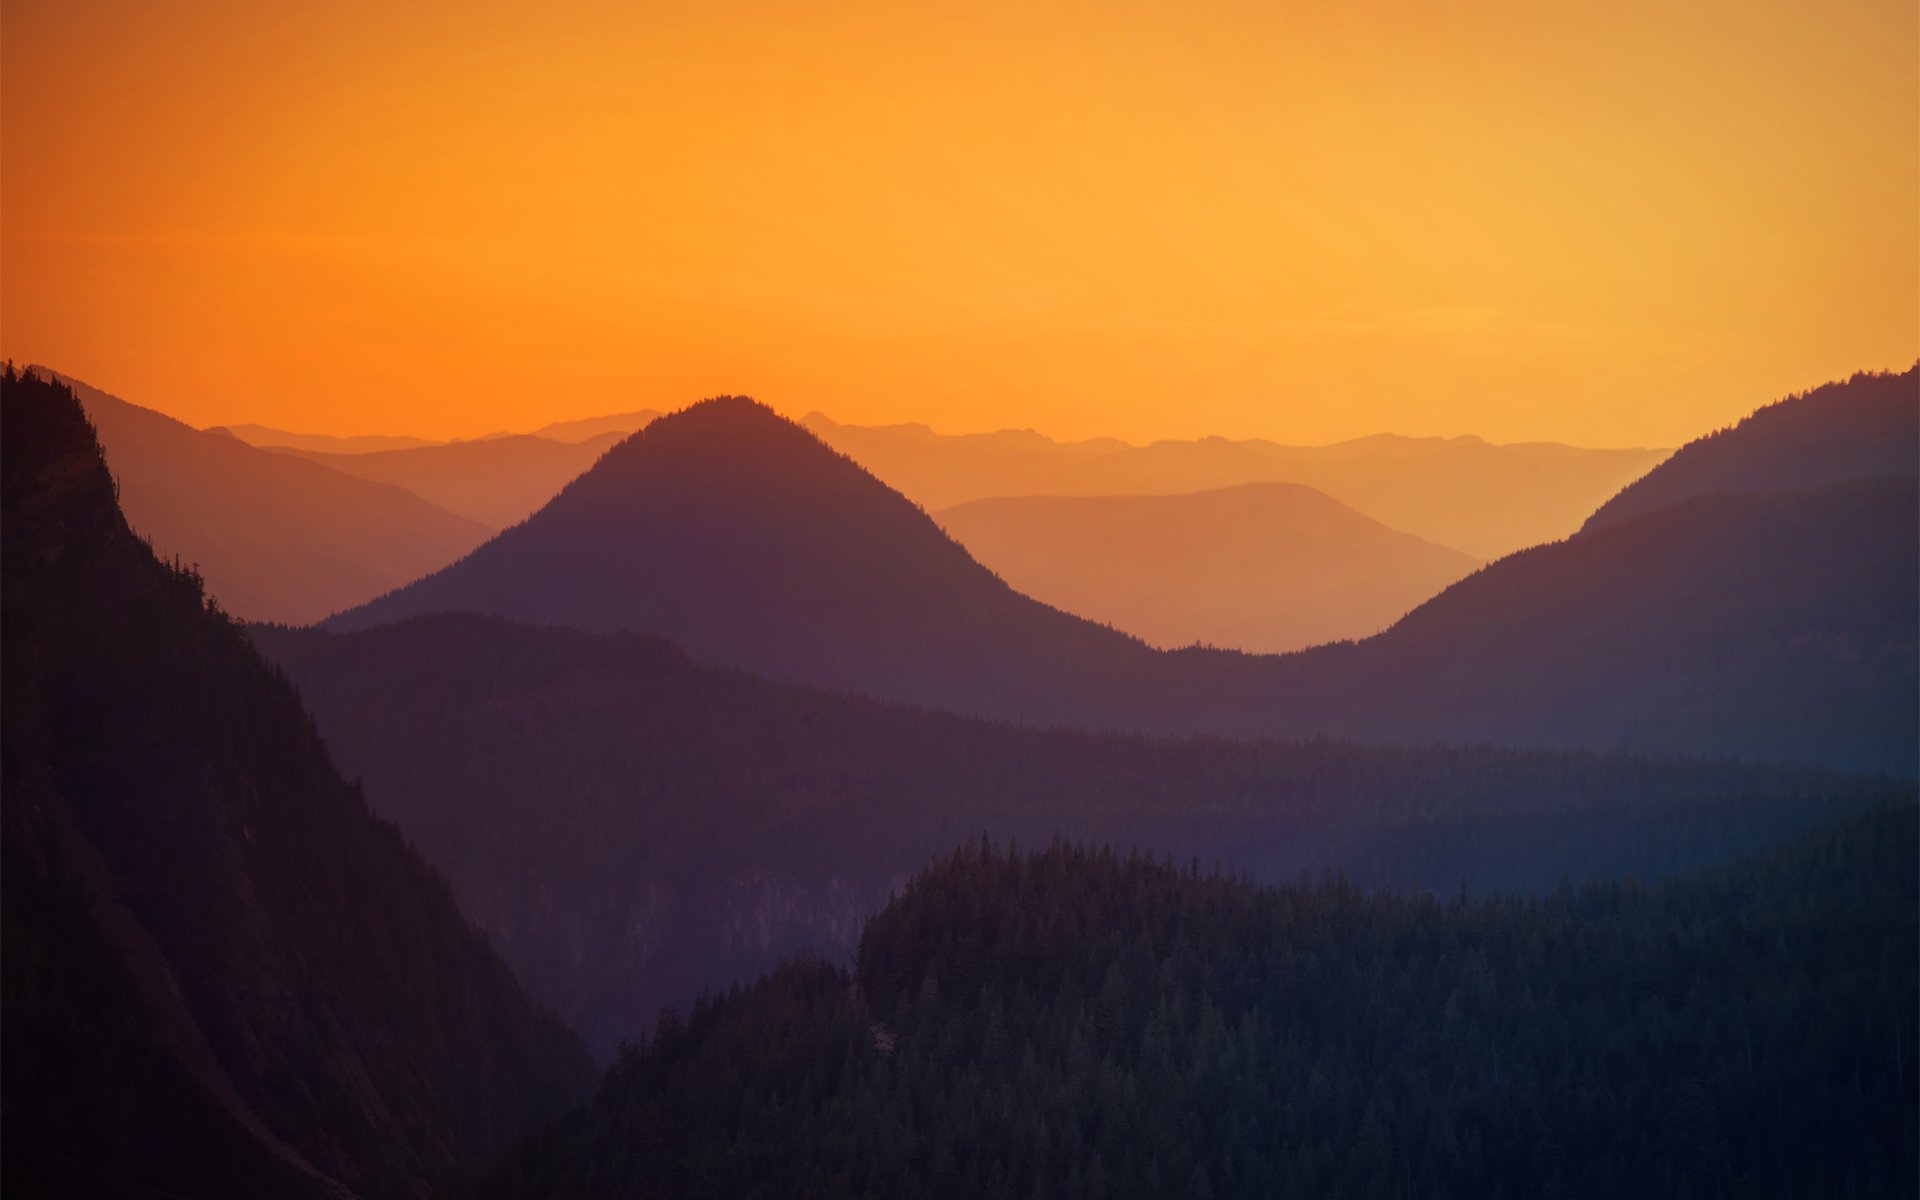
(632, 829)
(1077, 1023)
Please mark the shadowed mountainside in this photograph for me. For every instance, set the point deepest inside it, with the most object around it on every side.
(275, 537)
(1481, 499)
(495, 481)
(631, 828)
(222, 975)
(1865, 428)
(1768, 626)
(1263, 567)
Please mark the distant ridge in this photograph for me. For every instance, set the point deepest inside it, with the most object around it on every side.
(495, 481)
(268, 437)
(1263, 567)
(589, 428)
(1482, 499)
(580, 430)
(277, 538)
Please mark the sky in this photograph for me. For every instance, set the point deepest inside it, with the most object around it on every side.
(1603, 223)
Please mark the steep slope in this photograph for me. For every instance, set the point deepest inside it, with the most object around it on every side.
(1073, 1022)
(630, 828)
(1775, 625)
(223, 975)
(276, 538)
(1263, 567)
(1865, 428)
(495, 481)
(1481, 499)
(738, 535)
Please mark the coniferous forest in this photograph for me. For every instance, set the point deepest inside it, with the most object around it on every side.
(1072, 1022)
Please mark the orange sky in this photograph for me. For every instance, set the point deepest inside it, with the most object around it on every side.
(1608, 223)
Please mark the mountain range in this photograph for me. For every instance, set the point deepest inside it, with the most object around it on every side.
(494, 481)
(1481, 499)
(1262, 567)
(1776, 624)
(578, 430)
(222, 975)
(275, 538)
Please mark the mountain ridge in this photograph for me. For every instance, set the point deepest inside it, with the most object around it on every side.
(275, 536)
(205, 927)
(1262, 567)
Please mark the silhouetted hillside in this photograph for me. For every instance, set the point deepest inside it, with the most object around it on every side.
(1263, 567)
(495, 481)
(1075, 1023)
(1767, 626)
(276, 538)
(222, 975)
(630, 828)
(1482, 499)
(737, 534)
(1865, 428)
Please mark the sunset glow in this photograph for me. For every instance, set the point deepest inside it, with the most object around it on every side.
(1604, 224)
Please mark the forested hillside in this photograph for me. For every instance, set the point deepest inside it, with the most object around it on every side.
(222, 975)
(631, 828)
(1075, 1023)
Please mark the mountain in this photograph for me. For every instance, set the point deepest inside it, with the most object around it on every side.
(631, 828)
(1865, 428)
(1482, 499)
(320, 443)
(1772, 625)
(736, 534)
(1263, 567)
(222, 975)
(1769, 625)
(1074, 1022)
(590, 428)
(494, 481)
(276, 538)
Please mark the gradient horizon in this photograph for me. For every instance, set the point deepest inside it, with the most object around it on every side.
(1145, 221)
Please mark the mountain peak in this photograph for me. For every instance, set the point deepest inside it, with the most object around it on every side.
(739, 534)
